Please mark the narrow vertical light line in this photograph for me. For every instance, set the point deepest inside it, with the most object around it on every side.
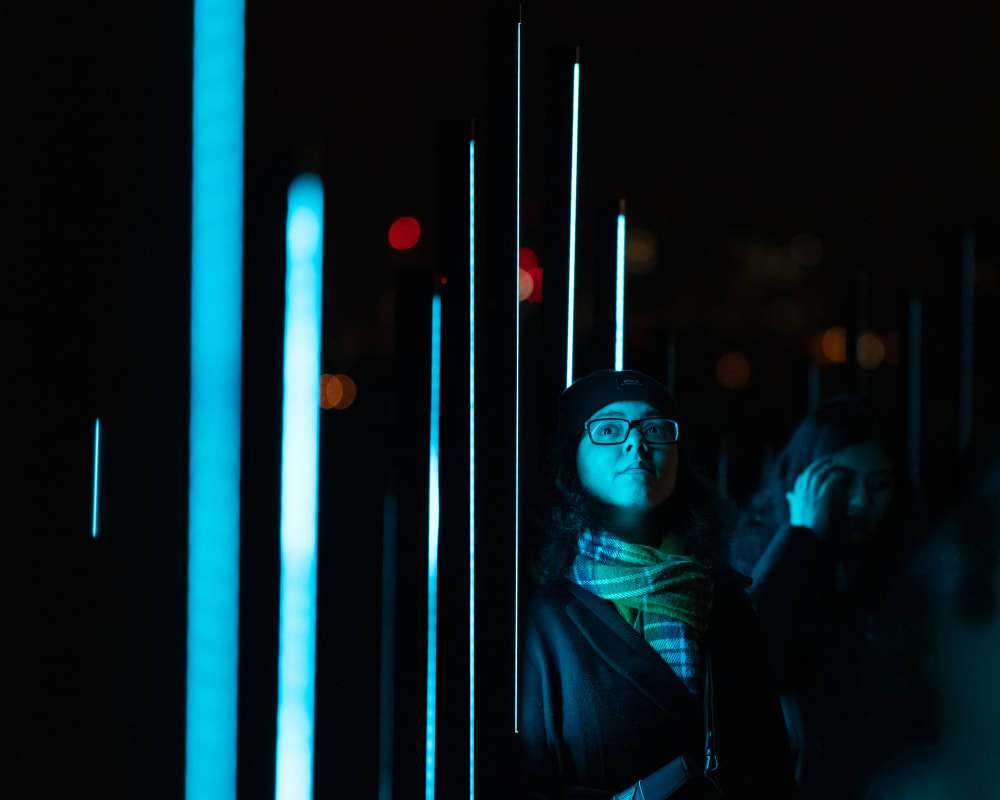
(97, 464)
(620, 292)
(472, 468)
(966, 337)
(214, 455)
(913, 384)
(517, 372)
(433, 522)
(571, 292)
(299, 490)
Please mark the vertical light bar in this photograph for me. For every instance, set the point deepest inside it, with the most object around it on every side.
(966, 337)
(299, 489)
(472, 468)
(570, 306)
(214, 468)
(517, 368)
(433, 518)
(387, 699)
(913, 382)
(620, 290)
(97, 462)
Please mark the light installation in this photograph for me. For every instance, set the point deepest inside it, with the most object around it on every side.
(433, 520)
(299, 489)
(97, 461)
(472, 468)
(214, 456)
(620, 291)
(572, 221)
(517, 363)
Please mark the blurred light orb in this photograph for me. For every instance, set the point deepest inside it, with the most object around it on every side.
(525, 284)
(733, 370)
(806, 250)
(527, 259)
(871, 351)
(330, 391)
(345, 387)
(404, 233)
(641, 251)
(834, 345)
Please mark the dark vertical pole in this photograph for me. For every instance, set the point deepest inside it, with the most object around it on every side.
(388, 665)
(813, 380)
(913, 385)
(672, 361)
(860, 325)
(722, 473)
(966, 337)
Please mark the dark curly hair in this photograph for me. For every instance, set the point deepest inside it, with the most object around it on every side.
(564, 510)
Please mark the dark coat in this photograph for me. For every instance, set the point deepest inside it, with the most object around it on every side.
(600, 709)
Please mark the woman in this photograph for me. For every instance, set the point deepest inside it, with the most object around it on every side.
(641, 646)
(826, 541)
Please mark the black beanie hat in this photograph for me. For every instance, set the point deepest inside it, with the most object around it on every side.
(603, 387)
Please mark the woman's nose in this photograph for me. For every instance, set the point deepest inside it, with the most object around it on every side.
(634, 439)
(859, 496)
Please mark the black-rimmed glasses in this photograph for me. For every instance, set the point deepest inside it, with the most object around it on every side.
(615, 430)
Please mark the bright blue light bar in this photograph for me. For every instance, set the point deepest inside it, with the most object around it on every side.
(620, 296)
(433, 519)
(97, 450)
(214, 473)
(472, 468)
(517, 367)
(299, 489)
(572, 225)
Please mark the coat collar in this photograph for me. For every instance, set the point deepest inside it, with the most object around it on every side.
(625, 650)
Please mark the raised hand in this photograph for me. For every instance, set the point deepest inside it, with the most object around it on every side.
(818, 488)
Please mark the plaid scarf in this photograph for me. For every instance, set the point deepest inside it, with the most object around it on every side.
(665, 597)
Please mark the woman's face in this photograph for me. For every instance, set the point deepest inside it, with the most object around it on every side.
(868, 485)
(633, 476)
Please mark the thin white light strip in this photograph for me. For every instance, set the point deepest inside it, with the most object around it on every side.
(517, 368)
(433, 520)
(97, 450)
(620, 296)
(299, 490)
(214, 455)
(572, 225)
(472, 468)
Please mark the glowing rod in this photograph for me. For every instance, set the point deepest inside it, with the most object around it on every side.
(214, 469)
(572, 220)
(620, 290)
(472, 468)
(299, 489)
(97, 450)
(433, 519)
(517, 363)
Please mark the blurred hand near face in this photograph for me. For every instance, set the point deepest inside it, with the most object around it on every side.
(819, 493)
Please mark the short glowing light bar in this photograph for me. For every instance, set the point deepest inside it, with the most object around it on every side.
(299, 489)
(97, 450)
(620, 292)
(433, 520)
(572, 221)
(472, 468)
(214, 469)
(517, 366)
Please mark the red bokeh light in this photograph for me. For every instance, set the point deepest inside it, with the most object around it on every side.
(528, 261)
(404, 233)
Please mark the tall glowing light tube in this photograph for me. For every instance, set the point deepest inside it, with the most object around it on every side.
(472, 468)
(517, 368)
(620, 292)
(97, 462)
(572, 221)
(299, 489)
(433, 520)
(214, 456)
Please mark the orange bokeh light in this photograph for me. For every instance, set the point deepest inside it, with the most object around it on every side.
(834, 345)
(733, 370)
(348, 391)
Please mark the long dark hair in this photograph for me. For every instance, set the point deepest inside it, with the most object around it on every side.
(838, 423)
(564, 510)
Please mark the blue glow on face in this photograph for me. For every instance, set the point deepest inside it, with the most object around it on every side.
(472, 468)
(433, 518)
(214, 473)
(572, 225)
(97, 450)
(620, 296)
(299, 489)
